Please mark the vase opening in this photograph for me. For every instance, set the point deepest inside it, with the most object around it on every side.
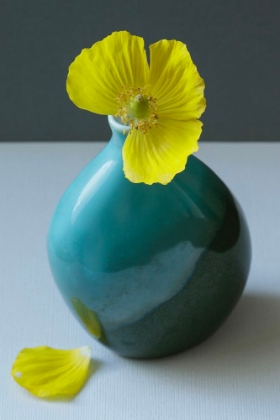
(117, 125)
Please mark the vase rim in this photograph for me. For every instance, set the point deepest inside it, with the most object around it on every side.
(117, 126)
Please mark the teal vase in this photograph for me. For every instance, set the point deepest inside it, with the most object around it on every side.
(148, 271)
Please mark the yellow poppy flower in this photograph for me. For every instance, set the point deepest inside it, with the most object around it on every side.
(48, 372)
(160, 103)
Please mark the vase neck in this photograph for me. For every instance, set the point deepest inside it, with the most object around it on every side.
(119, 131)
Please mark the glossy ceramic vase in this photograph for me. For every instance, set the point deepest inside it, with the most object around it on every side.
(149, 271)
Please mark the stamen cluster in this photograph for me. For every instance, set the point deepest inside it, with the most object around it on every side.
(128, 115)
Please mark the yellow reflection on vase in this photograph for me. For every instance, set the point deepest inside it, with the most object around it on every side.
(88, 317)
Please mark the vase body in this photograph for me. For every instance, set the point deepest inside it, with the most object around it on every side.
(148, 270)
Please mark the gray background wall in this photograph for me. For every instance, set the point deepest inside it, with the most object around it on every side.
(235, 45)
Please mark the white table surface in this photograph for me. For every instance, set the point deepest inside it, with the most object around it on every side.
(234, 375)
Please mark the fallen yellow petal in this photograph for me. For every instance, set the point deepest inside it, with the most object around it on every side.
(47, 372)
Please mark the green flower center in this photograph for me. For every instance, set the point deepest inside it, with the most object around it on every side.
(137, 108)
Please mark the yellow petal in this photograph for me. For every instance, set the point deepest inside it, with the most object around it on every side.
(47, 372)
(97, 75)
(161, 153)
(175, 81)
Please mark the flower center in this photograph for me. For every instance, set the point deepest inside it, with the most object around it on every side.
(137, 108)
